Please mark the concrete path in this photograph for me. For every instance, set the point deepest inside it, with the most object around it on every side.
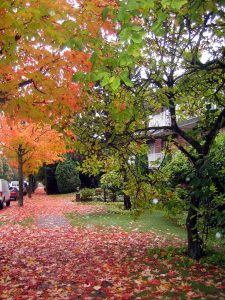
(51, 221)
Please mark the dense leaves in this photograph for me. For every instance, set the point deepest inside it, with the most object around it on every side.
(29, 146)
(41, 46)
(6, 171)
(67, 176)
(166, 58)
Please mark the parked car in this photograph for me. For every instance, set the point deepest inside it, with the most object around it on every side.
(4, 193)
(14, 193)
(14, 184)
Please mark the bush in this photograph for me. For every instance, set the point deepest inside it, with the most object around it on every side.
(87, 194)
(178, 169)
(67, 176)
(111, 181)
(181, 179)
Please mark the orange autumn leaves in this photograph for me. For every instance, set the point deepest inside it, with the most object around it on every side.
(36, 62)
(40, 144)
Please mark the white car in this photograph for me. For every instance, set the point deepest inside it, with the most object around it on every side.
(14, 184)
(4, 193)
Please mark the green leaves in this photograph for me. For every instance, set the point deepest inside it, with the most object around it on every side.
(105, 80)
(115, 84)
(93, 58)
(157, 26)
(105, 13)
(125, 77)
(134, 33)
(75, 43)
(125, 34)
(78, 77)
(137, 37)
(174, 4)
(125, 60)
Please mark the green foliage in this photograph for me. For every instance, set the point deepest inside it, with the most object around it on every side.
(178, 169)
(67, 176)
(217, 158)
(6, 172)
(87, 194)
(132, 84)
(116, 208)
(111, 181)
(116, 216)
(214, 257)
(183, 182)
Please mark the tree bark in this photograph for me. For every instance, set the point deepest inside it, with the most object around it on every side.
(30, 186)
(114, 197)
(20, 174)
(127, 202)
(195, 243)
(104, 194)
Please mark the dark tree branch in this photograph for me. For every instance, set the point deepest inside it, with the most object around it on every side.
(219, 123)
(36, 87)
(25, 82)
(183, 150)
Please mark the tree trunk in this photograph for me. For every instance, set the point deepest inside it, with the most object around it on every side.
(20, 174)
(114, 197)
(127, 202)
(104, 194)
(30, 186)
(195, 243)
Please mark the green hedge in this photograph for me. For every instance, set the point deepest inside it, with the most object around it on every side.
(67, 176)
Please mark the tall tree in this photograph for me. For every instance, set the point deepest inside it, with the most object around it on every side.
(28, 146)
(165, 55)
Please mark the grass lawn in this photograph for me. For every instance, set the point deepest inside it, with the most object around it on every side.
(148, 221)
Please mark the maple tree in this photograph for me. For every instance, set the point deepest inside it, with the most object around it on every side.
(165, 55)
(36, 64)
(28, 146)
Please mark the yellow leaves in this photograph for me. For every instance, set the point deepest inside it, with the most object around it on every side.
(6, 20)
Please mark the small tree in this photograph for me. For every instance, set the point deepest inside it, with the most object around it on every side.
(111, 181)
(28, 146)
(67, 176)
(6, 171)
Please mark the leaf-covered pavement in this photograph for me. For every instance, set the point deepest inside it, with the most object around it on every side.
(91, 262)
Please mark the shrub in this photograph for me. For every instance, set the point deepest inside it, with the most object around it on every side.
(67, 176)
(87, 194)
(111, 181)
(177, 169)
(181, 179)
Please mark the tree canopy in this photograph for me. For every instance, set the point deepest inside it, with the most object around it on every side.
(163, 55)
(28, 146)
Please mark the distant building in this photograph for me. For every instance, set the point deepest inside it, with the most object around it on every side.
(158, 146)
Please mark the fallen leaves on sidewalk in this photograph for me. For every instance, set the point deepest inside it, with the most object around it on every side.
(41, 204)
(92, 263)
